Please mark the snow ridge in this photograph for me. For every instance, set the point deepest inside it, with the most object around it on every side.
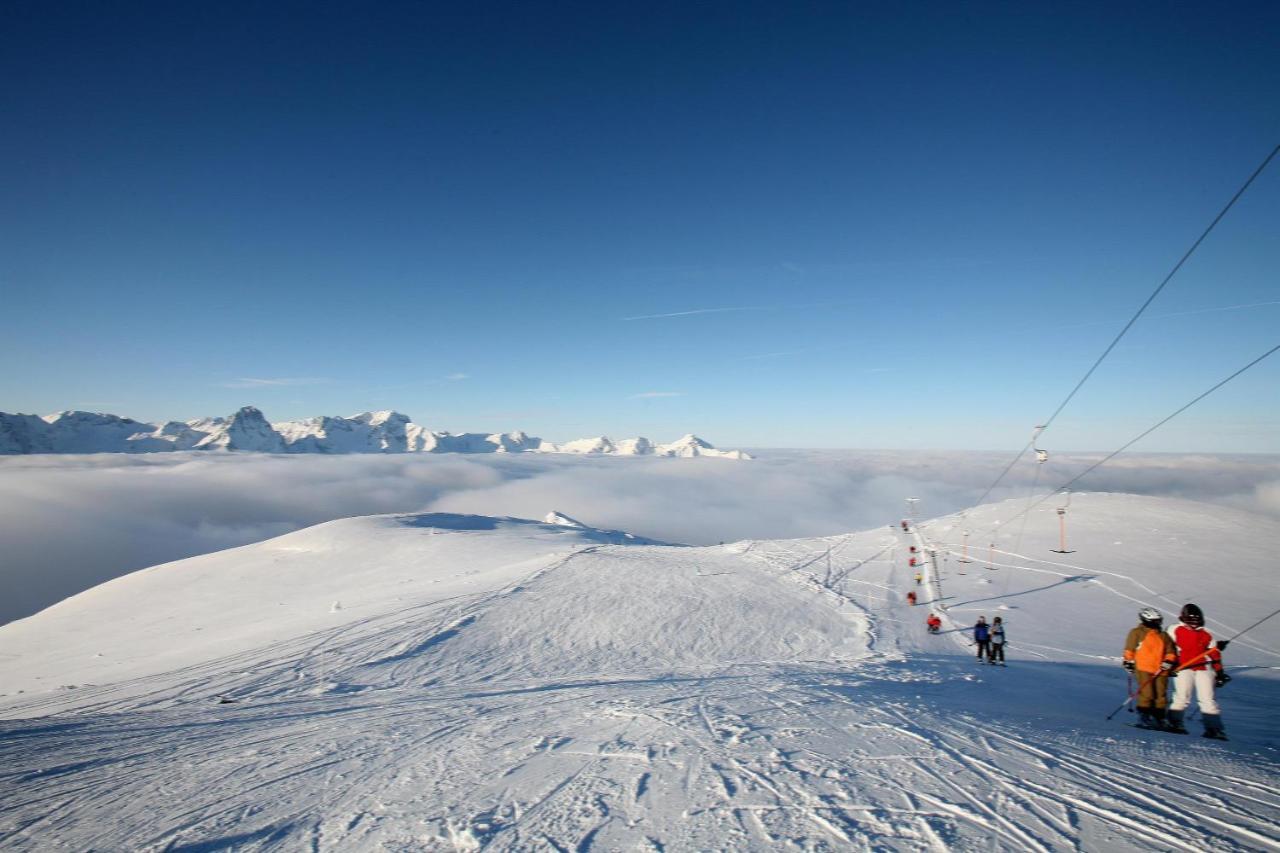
(248, 430)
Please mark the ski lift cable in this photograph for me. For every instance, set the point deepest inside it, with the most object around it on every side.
(1113, 454)
(1024, 558)
(1223, 644)
(1167, 278)
(1135, 317)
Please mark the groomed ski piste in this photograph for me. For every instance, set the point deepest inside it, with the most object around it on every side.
(447, 682)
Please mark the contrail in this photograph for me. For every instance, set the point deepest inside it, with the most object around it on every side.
(749, 308)
(1210, 310)
(698, 311)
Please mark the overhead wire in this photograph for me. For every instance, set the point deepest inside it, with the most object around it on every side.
(1181, 261)
(1113, 454)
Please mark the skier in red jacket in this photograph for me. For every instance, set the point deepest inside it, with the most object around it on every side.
(1199, 670)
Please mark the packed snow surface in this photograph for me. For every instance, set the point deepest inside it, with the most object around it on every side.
(454, 682)
(249, 430)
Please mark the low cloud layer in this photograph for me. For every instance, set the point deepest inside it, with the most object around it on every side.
(70, 522)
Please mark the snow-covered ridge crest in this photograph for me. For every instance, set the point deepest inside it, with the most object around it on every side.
(249, 430)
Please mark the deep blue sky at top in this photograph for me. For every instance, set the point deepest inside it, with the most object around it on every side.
(929, 219)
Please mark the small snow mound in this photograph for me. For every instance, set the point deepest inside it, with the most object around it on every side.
(337, 606)
(561, 520)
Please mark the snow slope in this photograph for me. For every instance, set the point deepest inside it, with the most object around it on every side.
(455, 682)
(249, 430)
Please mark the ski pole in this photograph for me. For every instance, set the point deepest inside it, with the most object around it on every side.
(1132, 693)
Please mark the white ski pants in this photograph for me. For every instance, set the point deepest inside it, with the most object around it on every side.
(1199, 681)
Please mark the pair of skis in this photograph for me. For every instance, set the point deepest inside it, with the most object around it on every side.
(1211, 734)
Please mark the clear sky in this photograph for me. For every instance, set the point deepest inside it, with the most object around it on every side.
(773, 224)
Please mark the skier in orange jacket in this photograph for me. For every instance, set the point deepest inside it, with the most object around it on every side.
(1150, 654)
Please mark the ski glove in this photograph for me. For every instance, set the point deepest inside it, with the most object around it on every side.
(1221, 679)
(1128, 665)
(1166, 667)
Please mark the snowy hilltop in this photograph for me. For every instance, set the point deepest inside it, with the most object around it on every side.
(249, 430)
(464, 682)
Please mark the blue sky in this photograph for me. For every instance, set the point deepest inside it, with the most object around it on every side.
(905, 225)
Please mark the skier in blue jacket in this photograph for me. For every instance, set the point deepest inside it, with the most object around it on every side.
(982, 637)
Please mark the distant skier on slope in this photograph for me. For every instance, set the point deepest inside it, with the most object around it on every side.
(982, 637)
(1150, 654)
(1199, 671)
(934, 623)
(997, 641)
(911, 598)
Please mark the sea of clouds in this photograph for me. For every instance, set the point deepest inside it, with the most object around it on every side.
(70, 522)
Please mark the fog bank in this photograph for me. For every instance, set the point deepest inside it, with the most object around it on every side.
(70, 522)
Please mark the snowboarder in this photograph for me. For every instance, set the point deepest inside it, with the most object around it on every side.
(911, 598)
(1199, 670)
(934, 623)
(997, 641)
(982, 637)
(1150, 654)
(919, 577)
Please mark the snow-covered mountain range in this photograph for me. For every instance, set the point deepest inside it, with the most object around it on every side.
(249, 430)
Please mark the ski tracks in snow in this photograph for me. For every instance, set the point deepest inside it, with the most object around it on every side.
(871, 753)
(751, 758)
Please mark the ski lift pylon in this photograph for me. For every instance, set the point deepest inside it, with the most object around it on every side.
(1062, 526)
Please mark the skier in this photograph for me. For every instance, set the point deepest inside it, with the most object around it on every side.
(904, 524)
(997, 641)
(911, 598)
(934, 623)
(1150, 655)
(982, 637)
(919, 577)
(1199, 671)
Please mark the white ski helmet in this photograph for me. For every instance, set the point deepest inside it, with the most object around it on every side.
(1150, 617)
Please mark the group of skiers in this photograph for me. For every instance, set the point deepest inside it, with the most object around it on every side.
(933, 623)
(989, 639)
(1186, 653)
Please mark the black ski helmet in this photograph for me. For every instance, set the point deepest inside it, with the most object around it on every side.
(1192, 615)
(1150, 617)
